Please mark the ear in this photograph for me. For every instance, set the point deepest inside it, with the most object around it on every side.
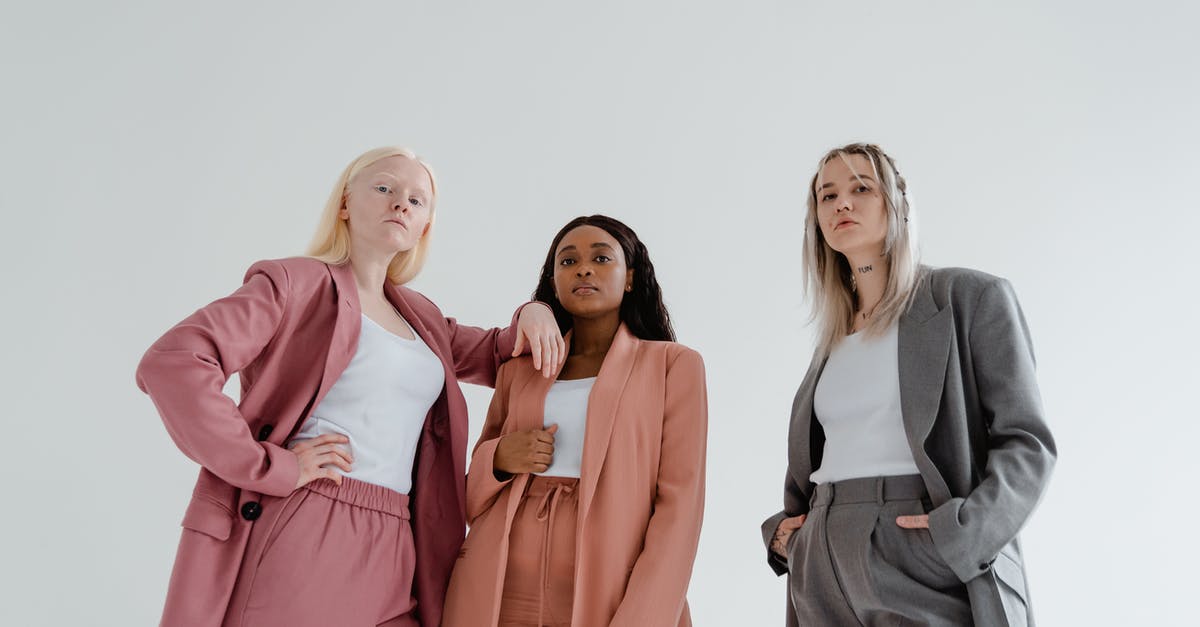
(425, 231)
(629, 280)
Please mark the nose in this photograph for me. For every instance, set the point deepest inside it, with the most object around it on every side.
(583, 270)
(844, 205)
(401, 206)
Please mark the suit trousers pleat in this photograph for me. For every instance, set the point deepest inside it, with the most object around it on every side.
(851, 564)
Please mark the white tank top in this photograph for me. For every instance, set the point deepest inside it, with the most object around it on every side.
(380, 403)
(566, 406)
(857, 402)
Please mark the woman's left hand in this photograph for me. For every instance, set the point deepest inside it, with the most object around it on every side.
(913, 522)
(537, 327)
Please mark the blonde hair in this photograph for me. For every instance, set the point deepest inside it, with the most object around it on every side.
(828, 278)
(331, 243)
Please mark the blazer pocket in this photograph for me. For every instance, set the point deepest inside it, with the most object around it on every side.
(208, 516)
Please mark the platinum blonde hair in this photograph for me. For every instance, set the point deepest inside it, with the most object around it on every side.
(827, 273)
(331, 243)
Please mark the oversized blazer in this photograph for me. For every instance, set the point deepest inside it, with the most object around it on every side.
(641, 489)
(290, 331)
(973, 416)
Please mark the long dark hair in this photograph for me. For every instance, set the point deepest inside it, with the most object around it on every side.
(642, 309)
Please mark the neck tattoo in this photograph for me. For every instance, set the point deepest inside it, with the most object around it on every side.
(865, 269)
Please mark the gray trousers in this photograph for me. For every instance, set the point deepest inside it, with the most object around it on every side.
(851, 564)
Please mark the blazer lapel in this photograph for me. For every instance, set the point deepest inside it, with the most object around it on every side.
(397, 299)
(603, 402)
(924, 338)
(800, 440)
(344, 342)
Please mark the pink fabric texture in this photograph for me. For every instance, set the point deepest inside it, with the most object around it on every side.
(328, 555)
(640, 493)
(289, 332)
(539, 584)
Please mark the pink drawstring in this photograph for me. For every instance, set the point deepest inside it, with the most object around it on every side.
(546, 510)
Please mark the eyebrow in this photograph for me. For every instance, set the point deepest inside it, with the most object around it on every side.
(571, 247)
(853, 177)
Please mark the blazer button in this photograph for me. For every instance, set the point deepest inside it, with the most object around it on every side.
(265, 432)
(251, 510)
(981, 566)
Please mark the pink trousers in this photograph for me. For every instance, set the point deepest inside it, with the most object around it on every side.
(328, 555)
(539, 583)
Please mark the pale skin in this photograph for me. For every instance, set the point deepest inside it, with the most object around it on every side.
(590, 280)
(852, 216)
(387, 210)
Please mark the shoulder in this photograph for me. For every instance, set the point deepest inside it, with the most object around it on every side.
(962, 285)
(295, 277)
(296, 270)
(419, 301)
(513, 368)
(676, 354)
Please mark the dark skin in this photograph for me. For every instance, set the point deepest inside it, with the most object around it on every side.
(590, 280)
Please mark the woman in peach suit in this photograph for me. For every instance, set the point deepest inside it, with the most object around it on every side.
(585, 494)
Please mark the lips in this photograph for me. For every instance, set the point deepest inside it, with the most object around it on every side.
(585, 287)
(401, 223)
(844, 222)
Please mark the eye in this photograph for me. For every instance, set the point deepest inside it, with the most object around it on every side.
(383, 189)
(862, 189)
(567, 262)
(828, 197)
(602, 259)
(416, 202)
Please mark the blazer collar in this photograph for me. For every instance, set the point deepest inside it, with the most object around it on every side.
(603, 402)
(924, 337)
(347, 326)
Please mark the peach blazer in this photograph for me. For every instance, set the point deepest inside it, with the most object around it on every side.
(290, 331)
(641, 496)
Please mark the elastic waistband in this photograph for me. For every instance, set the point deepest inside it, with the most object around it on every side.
(869, 490)
(362, 494)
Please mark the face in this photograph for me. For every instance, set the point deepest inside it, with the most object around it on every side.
(851, 210)
(388, 205)
(590, 272)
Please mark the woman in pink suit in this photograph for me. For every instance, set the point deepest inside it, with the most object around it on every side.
(333, 493)
(585, 494)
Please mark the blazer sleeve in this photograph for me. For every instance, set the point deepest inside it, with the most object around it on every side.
(969, 532)
(482, 486)
(657, 587)
(477, 352)
(185, 370)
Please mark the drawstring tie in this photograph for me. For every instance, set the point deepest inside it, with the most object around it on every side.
(546, 510)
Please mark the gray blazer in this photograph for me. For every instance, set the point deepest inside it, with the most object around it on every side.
(975, 425)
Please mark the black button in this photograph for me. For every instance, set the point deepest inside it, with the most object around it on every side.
(251, 510)
(265, 432)
(981, 566)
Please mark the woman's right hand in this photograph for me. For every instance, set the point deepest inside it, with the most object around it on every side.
(784, 532)
(525, 451)
(318, 456)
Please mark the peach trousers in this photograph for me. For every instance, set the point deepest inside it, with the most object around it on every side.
(328, 555)
(539, 583)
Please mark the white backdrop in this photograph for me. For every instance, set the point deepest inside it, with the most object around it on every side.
(152, 150)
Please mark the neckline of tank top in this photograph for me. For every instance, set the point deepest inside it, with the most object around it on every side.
(415, 337)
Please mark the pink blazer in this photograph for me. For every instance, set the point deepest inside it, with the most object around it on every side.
(641, 496)
(290, 331)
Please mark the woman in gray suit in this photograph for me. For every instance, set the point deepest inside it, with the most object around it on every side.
(918, 447)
